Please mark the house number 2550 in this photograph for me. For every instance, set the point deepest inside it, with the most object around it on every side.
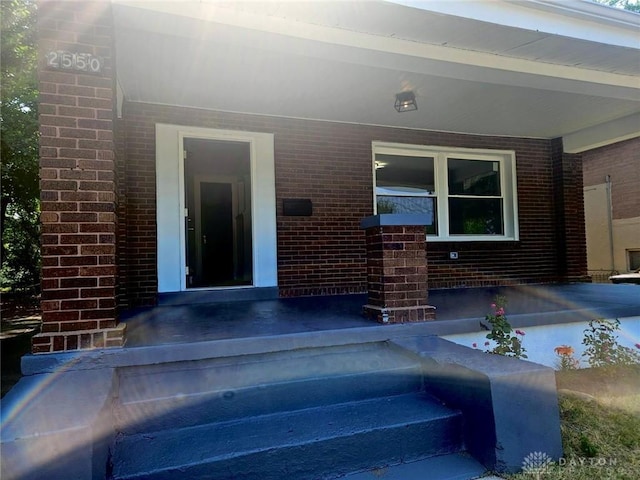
(82, 62)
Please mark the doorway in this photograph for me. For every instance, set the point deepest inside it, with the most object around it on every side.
(218, 213)
(175, 242)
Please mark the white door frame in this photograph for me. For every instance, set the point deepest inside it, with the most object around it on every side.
(171, 208)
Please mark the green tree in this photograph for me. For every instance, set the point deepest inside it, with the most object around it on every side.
(19, 144)
(632, 5)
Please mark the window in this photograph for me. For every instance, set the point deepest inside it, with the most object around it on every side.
(468, 194)
(475, 202)
(406, 185)
(634, 259)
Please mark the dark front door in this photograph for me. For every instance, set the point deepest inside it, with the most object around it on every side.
(217, 233)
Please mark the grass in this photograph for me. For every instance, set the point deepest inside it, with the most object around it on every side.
(600, 424)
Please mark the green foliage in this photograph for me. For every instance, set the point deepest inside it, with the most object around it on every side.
(631, 5)
(474, 226)
(602, 348)
(587, 447)
(21, 264)
(19, 145)
(385, 206)
(501, 333)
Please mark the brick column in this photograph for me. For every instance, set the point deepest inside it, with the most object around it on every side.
(77, 172)
(397, 269)
(570, 224)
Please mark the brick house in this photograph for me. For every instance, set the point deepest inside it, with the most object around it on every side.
(612, 205)
(204, 149)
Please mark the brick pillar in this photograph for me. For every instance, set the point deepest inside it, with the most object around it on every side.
(397, 269)
(570, 224)
(77, 177)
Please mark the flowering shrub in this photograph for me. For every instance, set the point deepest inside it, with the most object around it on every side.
(602, 345)
(566, 360)
(501, 332)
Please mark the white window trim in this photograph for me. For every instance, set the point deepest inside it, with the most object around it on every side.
(508, 183)
(629, 252)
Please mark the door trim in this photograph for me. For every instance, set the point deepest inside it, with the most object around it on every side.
(170, 203)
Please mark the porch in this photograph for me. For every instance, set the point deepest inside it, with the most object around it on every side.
(457, 311)
(196, 331)
(185, 366)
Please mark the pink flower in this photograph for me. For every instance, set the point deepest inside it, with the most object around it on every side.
(500, 311)
(519, 332)
(474, 345)
(637, 345)
(493, 305)
(486, 344)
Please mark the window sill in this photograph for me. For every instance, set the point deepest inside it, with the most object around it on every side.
(472, 238)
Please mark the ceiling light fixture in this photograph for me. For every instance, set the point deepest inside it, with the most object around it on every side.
(406, 101)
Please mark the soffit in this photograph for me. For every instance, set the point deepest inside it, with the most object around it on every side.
(220, 64)
(434, 28)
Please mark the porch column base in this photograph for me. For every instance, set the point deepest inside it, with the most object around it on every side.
(421, 313)
(50, 342)
(397, 269)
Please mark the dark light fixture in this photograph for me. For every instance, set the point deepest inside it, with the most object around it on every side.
(406, 101)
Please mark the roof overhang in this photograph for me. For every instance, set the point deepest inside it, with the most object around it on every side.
(490, 68)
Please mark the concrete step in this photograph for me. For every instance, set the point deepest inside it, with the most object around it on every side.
(184, 394)
(453, 466)
(321, 442)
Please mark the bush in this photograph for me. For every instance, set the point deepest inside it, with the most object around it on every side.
(602, 348)
(501, 333)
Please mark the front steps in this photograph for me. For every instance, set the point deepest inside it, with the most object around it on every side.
(190, 393)
(319, 442)
(317, 413)
(151, 411)
(454, 466)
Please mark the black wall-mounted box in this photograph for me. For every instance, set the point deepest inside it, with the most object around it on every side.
(297, 207)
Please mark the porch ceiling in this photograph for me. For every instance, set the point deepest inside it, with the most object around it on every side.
(346, 61)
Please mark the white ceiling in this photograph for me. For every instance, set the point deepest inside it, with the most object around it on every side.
(345, 62)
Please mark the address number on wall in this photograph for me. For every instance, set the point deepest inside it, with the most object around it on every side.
(82, 62)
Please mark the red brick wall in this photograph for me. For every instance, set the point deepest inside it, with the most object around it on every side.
(78, 197)
(570, 225)
(397, 274)
(396, 266)
(621, 161)
(331, 164)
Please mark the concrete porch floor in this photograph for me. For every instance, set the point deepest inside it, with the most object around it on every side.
(458, 311)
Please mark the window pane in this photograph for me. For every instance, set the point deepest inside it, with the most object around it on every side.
(634, 259)
(473, 177)
(405, 174)
(402, 204)
(475, 216)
